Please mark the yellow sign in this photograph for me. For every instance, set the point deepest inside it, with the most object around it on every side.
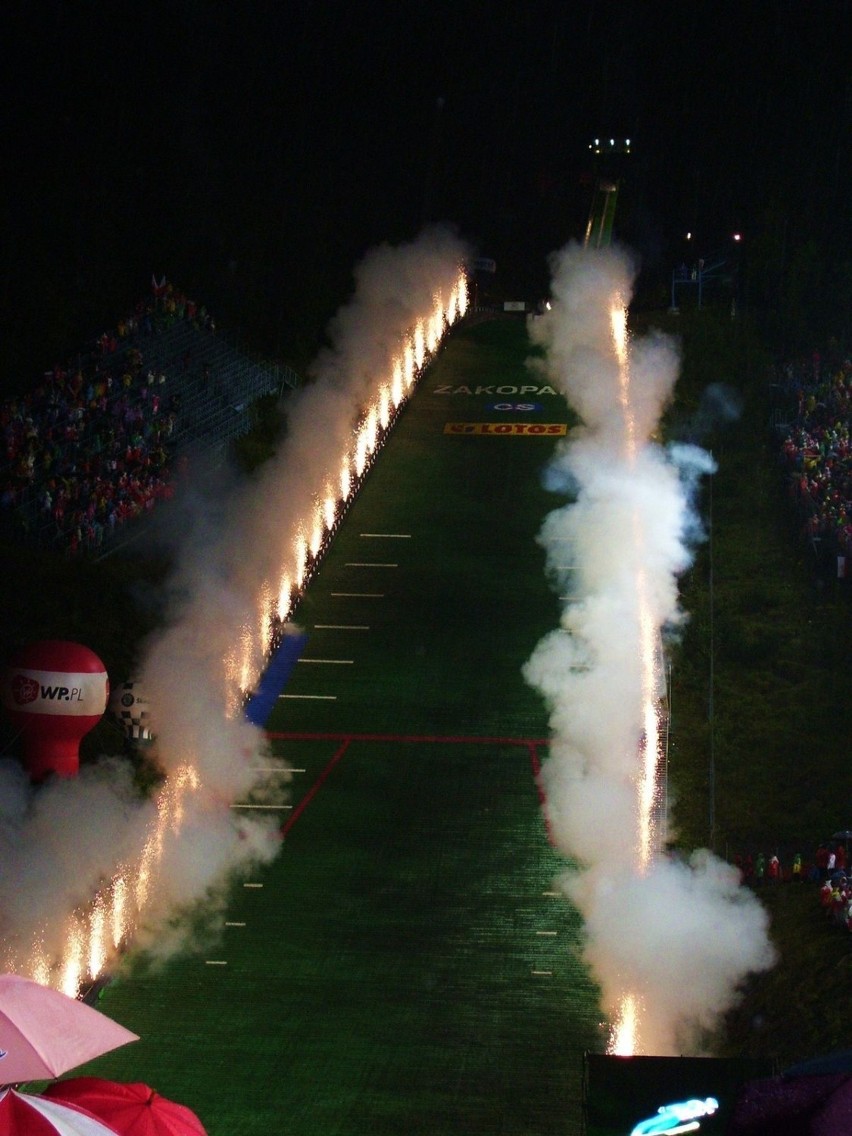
(511, 429)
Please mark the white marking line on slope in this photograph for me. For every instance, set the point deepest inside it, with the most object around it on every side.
(329, 662)
(252, 885)
(228, 923)
(368, 564)
(547, 932)
(312, 697)
(215, 962)
(387, 536)
(245, 805)
(277, 769)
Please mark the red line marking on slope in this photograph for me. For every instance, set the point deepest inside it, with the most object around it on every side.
(532, 745)
(315, 788)
(542, 798)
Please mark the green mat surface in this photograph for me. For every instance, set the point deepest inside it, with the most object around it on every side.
(404, 966)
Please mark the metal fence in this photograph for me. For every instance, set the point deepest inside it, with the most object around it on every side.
(204, 380)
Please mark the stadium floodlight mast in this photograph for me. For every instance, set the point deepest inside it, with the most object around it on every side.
(610, 146)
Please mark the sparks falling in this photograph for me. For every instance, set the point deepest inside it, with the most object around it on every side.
(340, 483)
(72, 949)
(648, 634)
(625, 1034)
(668, 941)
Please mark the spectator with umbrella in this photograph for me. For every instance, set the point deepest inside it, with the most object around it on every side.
(131, 1109)
(44, 1033)
(24, 1115)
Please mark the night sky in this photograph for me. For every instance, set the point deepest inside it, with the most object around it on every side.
(252, 152)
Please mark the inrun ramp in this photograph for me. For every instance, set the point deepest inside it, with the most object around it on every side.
(406, 965)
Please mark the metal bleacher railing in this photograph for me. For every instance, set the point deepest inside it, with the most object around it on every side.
(204, 380)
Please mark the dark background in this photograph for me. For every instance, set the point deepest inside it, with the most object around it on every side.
(252, 152)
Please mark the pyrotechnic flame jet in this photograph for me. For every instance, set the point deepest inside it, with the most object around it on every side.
(625, 1032)
(649, 653)
(598, 234)
(345, 474)
(95, 934)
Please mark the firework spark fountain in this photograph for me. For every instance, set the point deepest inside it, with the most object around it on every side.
(335, 492)
(668, 941)
(138, 863)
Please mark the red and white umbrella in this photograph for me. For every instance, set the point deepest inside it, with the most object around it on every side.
(25, 1115)
(44, 1033)
(132, 1109)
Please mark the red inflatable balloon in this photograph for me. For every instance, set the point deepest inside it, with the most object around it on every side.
(55, 692)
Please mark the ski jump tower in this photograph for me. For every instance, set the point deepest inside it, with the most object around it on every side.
(608, 158)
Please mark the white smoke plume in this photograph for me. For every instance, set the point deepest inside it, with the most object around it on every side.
(57, 845)
(394, 287)
(60, 842)
(676, 938)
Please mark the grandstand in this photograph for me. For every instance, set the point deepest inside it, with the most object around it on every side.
(213, 409)
(95, 444)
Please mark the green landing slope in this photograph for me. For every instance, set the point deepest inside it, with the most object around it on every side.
(405, 965)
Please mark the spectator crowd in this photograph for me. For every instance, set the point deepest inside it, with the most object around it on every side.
(89, 447)
(830, 868)
(817, 455)
(835, 893)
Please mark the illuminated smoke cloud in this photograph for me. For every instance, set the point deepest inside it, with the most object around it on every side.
(57, 844)
(669, 942)
(61, 843)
